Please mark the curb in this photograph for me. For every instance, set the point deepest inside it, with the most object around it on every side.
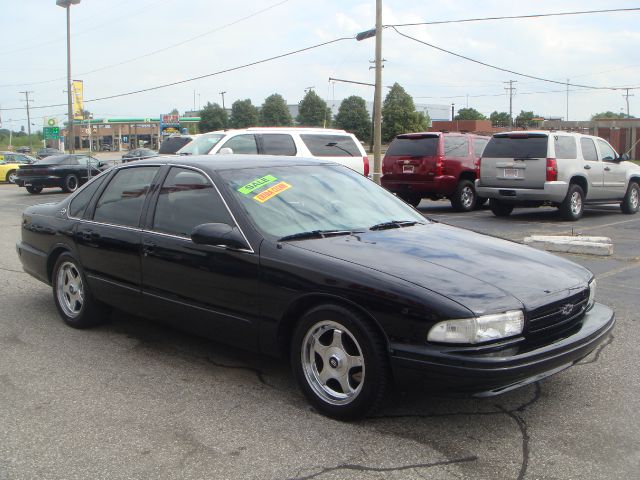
(602, 246)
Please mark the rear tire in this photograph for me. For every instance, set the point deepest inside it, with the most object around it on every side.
(500, 209)
(631, 200)
(11, 176)
(33, 189)
(71, 183)
(465, 198)
(340, 362)
(572, 207)
(413, 200)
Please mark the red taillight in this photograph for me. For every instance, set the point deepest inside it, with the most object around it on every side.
(478, 168)
(552, 170)
(365, 160)
(439, 166)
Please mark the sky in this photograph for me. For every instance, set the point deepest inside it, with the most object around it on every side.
(121, 46)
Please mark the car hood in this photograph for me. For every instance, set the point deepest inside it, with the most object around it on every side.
(483, 273)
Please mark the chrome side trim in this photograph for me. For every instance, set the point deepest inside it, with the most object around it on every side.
(192, 305)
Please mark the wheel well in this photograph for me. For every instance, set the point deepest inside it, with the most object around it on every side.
(51, 261)
(468, 176)
(303, 305)
(635, 180)
(582, 182)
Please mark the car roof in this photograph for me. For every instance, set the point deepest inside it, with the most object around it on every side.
(543, 132)
(314, 130)
(232, 161)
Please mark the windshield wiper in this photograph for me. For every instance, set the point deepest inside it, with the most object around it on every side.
(393, 224)
(315, 234)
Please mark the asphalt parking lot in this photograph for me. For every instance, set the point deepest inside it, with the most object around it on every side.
(136, 399)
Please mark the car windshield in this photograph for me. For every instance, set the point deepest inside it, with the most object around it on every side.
(307, 199)
(201, 145)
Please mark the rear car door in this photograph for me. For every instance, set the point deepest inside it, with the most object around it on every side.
(515, 160)
(593, 168)
(207, 289)
(108, 239)
(614, 182)
(277, 144)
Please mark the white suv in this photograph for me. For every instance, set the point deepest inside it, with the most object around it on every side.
(334, 145)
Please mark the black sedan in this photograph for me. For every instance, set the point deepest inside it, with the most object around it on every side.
(288, 256)
(138, 154)
(63, 171)
(48, 152)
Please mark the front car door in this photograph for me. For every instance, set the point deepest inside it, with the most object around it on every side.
(207, 289)
(615, 185)
(108, 237)
(244, 143)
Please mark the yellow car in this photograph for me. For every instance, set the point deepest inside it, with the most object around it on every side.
(9, 164)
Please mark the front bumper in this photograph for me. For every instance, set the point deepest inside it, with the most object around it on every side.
(554, 192)
(472, 370)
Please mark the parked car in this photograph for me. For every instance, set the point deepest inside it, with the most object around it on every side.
(562, 169)
(328, 144)
(138, 154)
(172, 144)
(434, 165)
(63, 171)
(9, 164)
(24, 149)
(106, 147)
(282, 256)
(47, 152)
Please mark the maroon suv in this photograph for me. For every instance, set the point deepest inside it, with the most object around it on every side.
(434, 165)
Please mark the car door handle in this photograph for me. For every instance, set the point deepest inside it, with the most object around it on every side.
(607, 169)
(89, 235)
(587, 167)
(147, 248)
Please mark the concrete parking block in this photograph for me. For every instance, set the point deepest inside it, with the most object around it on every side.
(572, 244)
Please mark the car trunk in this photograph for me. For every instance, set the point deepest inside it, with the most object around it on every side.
(34, 170)
(515, 160)
(414, 157)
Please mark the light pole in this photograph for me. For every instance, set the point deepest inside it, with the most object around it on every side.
(70, 134)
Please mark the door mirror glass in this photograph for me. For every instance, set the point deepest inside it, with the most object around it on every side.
(218, 234)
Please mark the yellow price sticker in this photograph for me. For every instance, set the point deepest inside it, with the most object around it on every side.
(277, 189)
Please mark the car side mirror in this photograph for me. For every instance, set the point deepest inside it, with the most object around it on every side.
(226, 151)
(622, 158)
(218, 234)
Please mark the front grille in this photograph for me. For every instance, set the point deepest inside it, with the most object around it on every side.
(557, 318)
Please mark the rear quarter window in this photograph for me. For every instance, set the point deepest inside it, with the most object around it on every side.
(456, 146)
(565, 146)
(414, 146)
(330, 145)
(516, 147)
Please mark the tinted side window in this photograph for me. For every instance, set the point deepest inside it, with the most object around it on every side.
(456, 147)
(330, 145)
(478, 146)
(278, 144)
(565, 146)
(517, 147)
(122, 200)
(588, 149)
(242, 144)
(187, 199)
(414, 146)
(79, 203)
(606, 152)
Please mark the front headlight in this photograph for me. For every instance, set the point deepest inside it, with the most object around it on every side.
(592, 294)
(479, 329)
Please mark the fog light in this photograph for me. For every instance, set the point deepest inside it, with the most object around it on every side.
(478, 329)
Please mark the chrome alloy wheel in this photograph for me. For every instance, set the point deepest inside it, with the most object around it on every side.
(12, 177)
(69, 289)
(466, 197)
(576, 203)
(333, 363)
(634, 199)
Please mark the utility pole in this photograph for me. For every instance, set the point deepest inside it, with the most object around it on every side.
(27, 100)
(194, 100)
(222, 93)
(626, 96)
(377, 99)
(511, 90)
(567, 117)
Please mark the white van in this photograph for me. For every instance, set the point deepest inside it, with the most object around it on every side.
(329, 144)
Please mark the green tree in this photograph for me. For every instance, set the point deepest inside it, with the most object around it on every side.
(174, 111)
(274, 112)
(399, 114)
(525, 119)
(313, 111)
(353, 117)
(609, 114)
(244, 114)
(499, 119)
(469, 114)
(212, 117)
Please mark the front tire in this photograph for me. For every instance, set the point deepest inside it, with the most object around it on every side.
(33, 189)
(11, 176)
(70, 183)
(465, 198)
(572, 207)
(71, 294)
(500, 209)
(631, 200)
(340, 362)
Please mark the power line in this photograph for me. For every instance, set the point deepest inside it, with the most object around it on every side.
(591, 87)
(219, 72)
(513, 17)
